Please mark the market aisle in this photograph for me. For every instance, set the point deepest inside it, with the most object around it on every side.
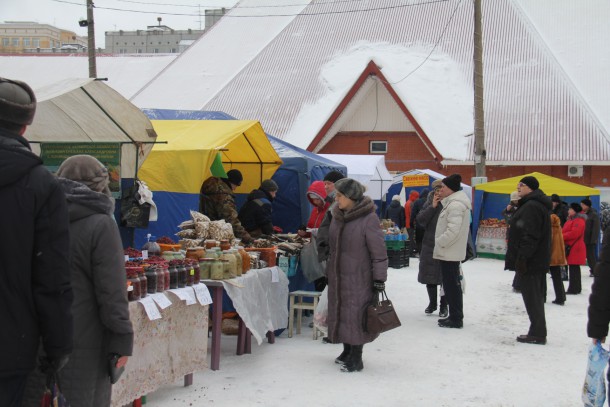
(418, 364)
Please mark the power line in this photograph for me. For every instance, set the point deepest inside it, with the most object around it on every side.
(241, 7)
(433, 48)
(261, 15)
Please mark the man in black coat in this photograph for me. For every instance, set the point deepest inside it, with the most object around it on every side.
(415, 209)
(255, 215)
(591, 233)
(35, 291)
(560, 208)
(599, 301)
(529, 253)
(396, 212)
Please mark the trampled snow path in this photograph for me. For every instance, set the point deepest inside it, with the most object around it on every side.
(418, 364)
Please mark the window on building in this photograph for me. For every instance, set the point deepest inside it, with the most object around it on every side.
(26, 42)
(36, 42)
(6, 42)
(156, 51)
(378, 147)
(15, 42)
(139, 51)
(173, 50)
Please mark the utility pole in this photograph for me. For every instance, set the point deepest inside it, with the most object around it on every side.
(91, 40)
(479, 117)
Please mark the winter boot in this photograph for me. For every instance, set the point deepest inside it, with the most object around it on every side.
(342, 358)
(444, 311)
(354, 361)
(432, 296)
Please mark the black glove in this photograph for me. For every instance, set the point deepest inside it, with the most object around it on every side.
(52, 365)
(378, 285)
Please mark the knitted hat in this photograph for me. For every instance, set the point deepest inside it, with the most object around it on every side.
(88, 171)
(576, 207)
(586, 202)
(555, 198)
(531, 182)
(350, 188)
(235, 177)
(514, 196)
(17, 102)
(269, 185)
(453, 182)
(396, 198)
(333, 176)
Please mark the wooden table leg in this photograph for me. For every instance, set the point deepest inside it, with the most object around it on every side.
(188, 380)
(248, 347)
(242, 331)
(216, 326)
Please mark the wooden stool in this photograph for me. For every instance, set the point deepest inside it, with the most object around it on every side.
(299, 306)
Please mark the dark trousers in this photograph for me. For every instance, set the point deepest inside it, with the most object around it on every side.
(517, 282)
(591, 257)
(453, 289)
(532, 291)
(574, 287)
(560, 292)
(412, 244)
(11, 390)
(432, 295)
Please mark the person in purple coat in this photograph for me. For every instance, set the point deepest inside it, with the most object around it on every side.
(356, 269)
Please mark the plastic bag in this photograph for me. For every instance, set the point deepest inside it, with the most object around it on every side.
(321, 312)
(313, 269)
(52, 396)
(594, 388)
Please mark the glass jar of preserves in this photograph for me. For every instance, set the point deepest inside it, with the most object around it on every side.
(225, 245)
(143, 282)
(217, 269)
(245, 259)
(160, 278)
(181, 267)
(238, 262)
(133, 284)
(229, 268)
(195, 253)
(205, 266)
(197, 270)
(173, 275)
(190, 272)
(151, 277)
(210, 243)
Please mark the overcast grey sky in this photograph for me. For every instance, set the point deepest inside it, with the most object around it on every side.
(110, 15)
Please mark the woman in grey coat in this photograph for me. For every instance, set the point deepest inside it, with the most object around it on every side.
(429, 268)
(102, 328)
(356, 269)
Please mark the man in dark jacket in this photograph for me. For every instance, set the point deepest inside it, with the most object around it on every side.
(35, 291)
(396, 212)
(529, 253)
(560, 208)
(255, 215)
(591, 233)
(216, 201)
(599, 301)
(419, 231)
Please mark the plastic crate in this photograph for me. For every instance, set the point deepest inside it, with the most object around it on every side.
(398, 258)
(395, 244)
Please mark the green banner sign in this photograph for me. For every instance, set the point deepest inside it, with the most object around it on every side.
(109, 154)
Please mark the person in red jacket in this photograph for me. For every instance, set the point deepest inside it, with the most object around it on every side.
(573, 235)
(413, 196)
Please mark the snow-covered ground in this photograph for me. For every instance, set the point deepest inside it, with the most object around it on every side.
(418, 364)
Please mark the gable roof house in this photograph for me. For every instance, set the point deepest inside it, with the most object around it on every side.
(395, 77)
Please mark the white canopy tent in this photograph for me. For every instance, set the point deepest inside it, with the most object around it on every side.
(369, 170)
(432, 174)
(89, 111)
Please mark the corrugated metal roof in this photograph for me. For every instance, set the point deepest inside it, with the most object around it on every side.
(533, 112)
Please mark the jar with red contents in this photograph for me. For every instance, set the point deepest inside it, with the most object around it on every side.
(190, 272)
(143, 282)
(133, 284)
(173, 274)
(151, 277)
(181, 274)
(194, 273)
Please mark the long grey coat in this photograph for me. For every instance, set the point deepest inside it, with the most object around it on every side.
(100, 309)
(429, 268)
(357, 257)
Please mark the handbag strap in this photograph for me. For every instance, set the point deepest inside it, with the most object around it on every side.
(384, 296)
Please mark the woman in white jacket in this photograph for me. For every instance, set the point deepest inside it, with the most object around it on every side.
(450, 241)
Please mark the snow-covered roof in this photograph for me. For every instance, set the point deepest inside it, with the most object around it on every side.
(293, 77)
(126, 74)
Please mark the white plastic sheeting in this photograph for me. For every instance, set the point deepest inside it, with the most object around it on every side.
(369, 170)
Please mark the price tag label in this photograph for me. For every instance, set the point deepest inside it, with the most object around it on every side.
(151, 309)
(190, 295)
(203, 294)
(275, 277)
(161, 300)
(144, 254)
(179, 292)
(126, 257)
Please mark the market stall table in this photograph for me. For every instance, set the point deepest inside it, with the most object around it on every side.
(166, 348)
(260, 298)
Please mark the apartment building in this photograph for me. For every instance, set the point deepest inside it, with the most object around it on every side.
(20, 37)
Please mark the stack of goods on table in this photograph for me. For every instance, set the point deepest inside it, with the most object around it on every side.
(491, 238)
(397, 246)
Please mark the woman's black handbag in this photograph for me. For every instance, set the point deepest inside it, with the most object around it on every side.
(380, 316)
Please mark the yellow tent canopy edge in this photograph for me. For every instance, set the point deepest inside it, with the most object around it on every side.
(548, 184)
(183, 163)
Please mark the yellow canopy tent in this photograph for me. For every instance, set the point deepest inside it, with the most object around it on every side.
(491, 198)
(183, 163)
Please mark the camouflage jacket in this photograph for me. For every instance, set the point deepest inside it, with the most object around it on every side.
(216, 201)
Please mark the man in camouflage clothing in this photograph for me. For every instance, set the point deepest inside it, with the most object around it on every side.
(216, 201)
